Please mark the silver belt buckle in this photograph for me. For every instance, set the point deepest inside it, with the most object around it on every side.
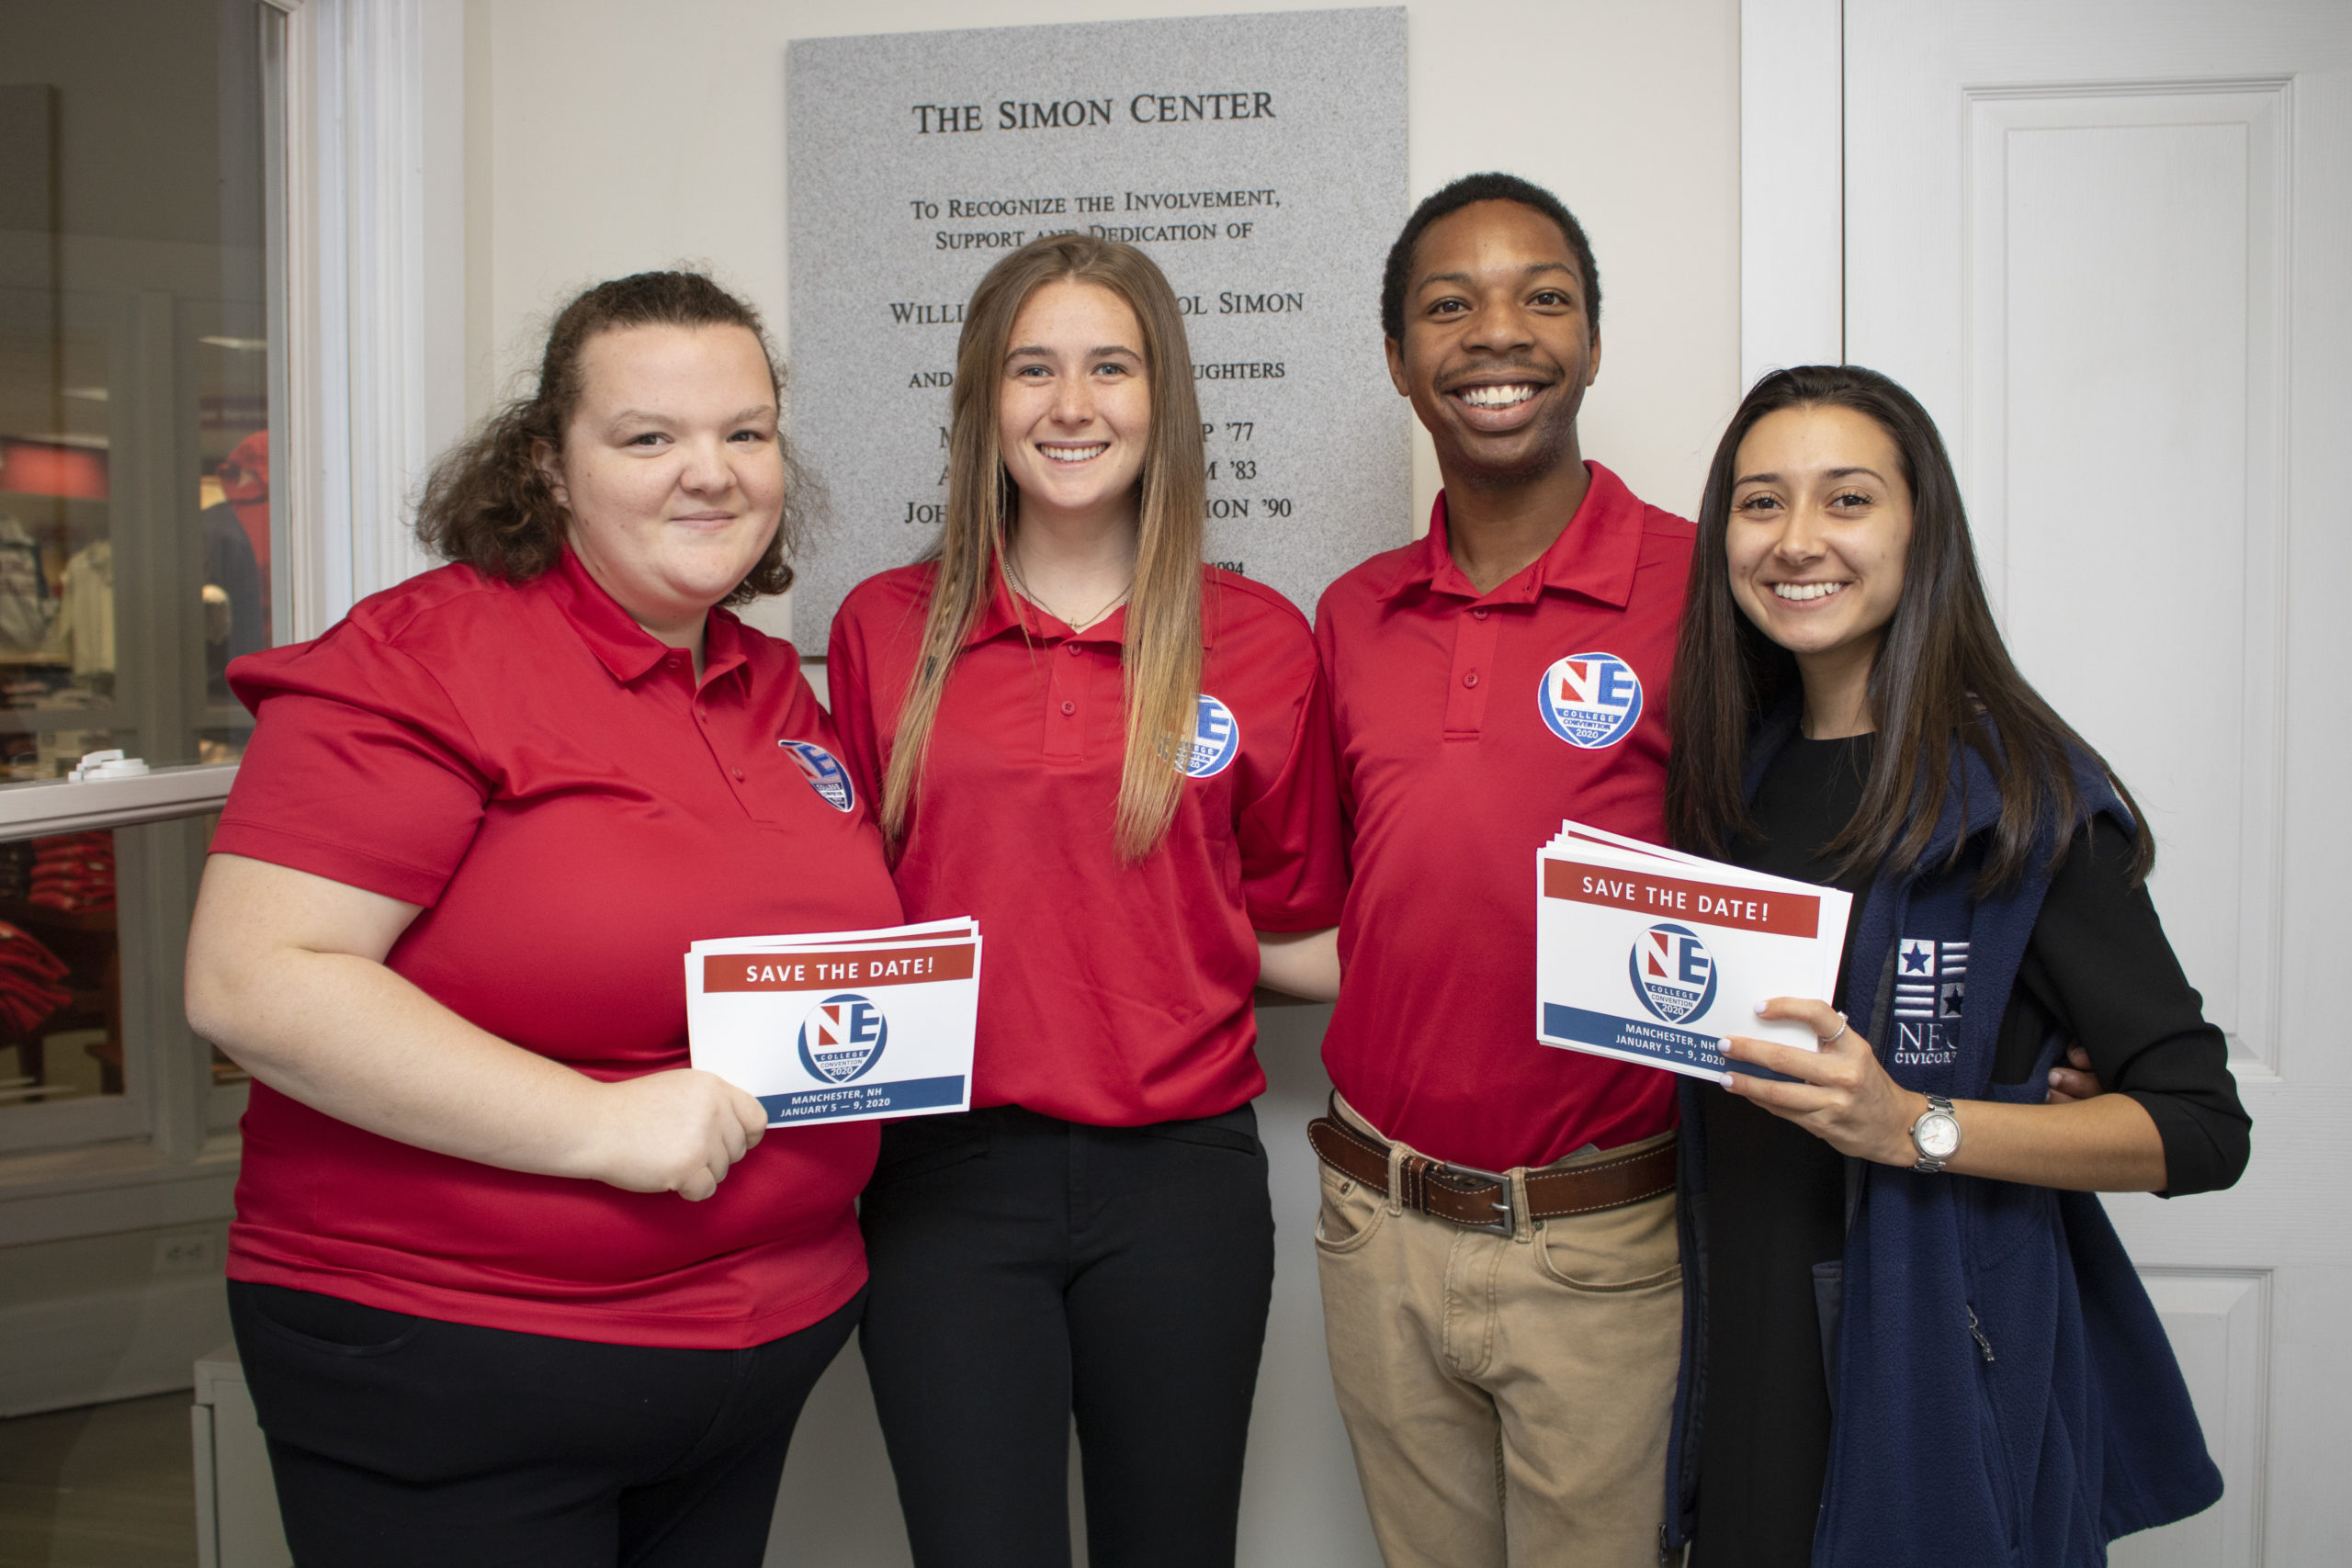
(1507, 1220)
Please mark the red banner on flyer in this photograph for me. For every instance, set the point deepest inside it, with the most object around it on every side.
(1743, 909)
(844, 966)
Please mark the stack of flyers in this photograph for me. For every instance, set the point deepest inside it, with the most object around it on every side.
(1653, 956)
(840, 1026)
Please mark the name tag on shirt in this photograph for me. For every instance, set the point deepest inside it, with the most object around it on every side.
(1650, 955)
(840, 1026)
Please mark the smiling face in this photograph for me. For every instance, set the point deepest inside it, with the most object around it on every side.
(1820, 525)
(670, 469)
(1074, 403)
(1498, 349)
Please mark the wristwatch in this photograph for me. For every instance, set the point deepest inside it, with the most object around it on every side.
(1935, 1134)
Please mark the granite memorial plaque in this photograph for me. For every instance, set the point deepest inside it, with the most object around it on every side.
(1259, 160)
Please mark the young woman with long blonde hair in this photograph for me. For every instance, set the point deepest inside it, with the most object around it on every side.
(1118, 760)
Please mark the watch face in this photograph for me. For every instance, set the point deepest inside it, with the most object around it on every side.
(1938, 1135)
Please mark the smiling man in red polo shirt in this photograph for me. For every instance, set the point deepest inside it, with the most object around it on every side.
(1501, 1289)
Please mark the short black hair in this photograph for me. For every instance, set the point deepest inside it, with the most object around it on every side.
(1471, 188)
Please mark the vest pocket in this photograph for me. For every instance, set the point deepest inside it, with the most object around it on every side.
(2000, 1475)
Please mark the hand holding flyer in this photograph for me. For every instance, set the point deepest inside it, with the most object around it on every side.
(1649, 955)
(840, 1026)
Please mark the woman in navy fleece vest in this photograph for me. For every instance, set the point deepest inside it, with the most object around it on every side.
(1913, 1337)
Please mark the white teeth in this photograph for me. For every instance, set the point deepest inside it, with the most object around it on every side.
(1802, 592)
(1496, 397)
(1075, 453)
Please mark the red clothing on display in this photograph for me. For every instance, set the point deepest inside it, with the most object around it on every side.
(572, 808)
(29, 982)
(1468, 725)
(1112, 995)
(73, 873)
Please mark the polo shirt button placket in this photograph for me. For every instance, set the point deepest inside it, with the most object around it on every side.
(1064, 741)
(1474, 649)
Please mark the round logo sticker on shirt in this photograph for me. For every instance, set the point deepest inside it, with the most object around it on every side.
(1216, 740)
(843, 1036)
(824, 772)
(1673, 972)
(1590, 700)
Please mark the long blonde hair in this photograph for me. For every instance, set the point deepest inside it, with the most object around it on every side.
(1161, 678)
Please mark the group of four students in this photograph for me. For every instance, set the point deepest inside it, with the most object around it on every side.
(482, 816)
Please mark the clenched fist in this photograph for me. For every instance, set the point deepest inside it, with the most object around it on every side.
(671, 1132)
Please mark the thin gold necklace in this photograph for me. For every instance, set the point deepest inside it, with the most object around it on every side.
(1021, 586)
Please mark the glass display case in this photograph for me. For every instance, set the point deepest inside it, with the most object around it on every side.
(137, 176)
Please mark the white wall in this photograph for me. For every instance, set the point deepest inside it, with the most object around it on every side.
(621, 136)
(608, 136)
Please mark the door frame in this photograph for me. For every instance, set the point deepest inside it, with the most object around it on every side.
(1791, 184)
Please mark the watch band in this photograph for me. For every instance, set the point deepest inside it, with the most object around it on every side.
(1938, 1105)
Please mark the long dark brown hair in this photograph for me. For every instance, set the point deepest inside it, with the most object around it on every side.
(488, 504)
(1941, 678)
(1162, 664)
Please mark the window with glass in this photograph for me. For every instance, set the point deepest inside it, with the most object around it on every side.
(140, 167)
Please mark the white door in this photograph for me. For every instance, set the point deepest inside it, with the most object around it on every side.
(2109, 246)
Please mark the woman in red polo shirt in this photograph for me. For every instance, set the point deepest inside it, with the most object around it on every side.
(1118, 760)
(512, 1283)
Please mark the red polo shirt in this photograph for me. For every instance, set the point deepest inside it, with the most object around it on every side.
(1111, 994)
(573, 808)
(1468, 725)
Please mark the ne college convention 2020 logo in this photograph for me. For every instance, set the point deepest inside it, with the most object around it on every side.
(843, 1037)
(1590, 700)
(1673, 973)
(824, 772)
(1216, 741)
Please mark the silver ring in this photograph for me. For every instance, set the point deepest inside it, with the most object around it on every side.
(1833, 1039)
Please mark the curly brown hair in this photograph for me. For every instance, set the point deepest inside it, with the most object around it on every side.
(489, 505)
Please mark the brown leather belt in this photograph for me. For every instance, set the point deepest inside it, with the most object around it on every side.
(1481, 1200)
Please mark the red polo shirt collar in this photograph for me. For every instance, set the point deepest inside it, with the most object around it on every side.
(1594, 555)
(625, 647)
(1006, 612)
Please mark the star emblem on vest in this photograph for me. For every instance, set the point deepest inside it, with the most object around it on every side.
(1930, 978)
(1930, 993)
(1590, 700)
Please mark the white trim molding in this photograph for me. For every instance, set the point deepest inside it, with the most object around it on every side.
(45, 807)
(1791, 184)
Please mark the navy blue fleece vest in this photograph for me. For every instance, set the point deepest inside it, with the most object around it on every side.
(2004, 1392)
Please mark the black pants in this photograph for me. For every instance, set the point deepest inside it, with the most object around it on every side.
(408, 1442)
(1025, 1269)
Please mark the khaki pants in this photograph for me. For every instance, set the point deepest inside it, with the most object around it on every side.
(1507, 1396)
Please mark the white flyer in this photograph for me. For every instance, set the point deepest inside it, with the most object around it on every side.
(840, 1026)
(1650, 955)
